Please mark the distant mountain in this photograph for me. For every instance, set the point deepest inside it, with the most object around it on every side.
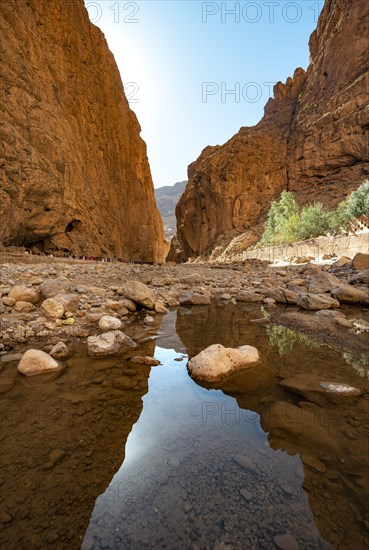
(166, 200)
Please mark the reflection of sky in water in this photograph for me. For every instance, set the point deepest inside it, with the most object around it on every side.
(176, 403)
(185, 437)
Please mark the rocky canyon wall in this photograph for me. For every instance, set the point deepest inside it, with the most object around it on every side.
(75, 175)
(312, 140)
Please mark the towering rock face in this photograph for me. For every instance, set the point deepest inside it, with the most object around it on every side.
(75, 174)
(312, 140)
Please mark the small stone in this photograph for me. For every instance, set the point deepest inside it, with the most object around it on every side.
(108, 343)
(52, 309)
(172, 302)
(145, 360)
(317, 301)
(247, 495)
(163, 478)
(149, 320)
(193, 298)
(349, 295)
(286, 542)
(21, 293)
(5, 517)
(114, 305)
(24, 307)
(125, 383)
(245, 463)
(249, 296)
(160, 308)
(360, 261)
(270, 301)
(88, 543)
(56, 455)
(128, 304)
(139, 293)
(107, 323)
(81, 289)
(314, 463)
(69, 322)
(8, 301)
(342, 261)
(59, 351)
(52, 287)
(35, 280)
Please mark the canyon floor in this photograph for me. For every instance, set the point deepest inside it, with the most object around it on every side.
(326, 301)
(116, 449)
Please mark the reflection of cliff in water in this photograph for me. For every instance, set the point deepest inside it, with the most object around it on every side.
(62, 442)
(331, 440)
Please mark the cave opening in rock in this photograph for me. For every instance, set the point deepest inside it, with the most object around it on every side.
(72, 225)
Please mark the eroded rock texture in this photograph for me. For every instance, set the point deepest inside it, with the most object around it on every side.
(312, 140)
(75, 174)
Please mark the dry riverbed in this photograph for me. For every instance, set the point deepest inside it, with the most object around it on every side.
(59, 301)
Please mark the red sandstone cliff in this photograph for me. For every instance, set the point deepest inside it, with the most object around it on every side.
(75, 174)
(313, 140)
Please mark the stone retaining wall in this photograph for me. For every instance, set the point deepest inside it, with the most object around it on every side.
(342, 245)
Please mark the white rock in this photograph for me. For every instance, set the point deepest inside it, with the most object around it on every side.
(149, 320)
(52, 309)
(108, 343)
(37, 362)
(217, 362)
(108, 322)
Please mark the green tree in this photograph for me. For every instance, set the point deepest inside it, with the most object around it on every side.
(339, 219)
(282, 221)
(314, 221)
(358, 201)
(270, 226)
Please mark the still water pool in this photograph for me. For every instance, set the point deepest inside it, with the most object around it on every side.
(150, 459)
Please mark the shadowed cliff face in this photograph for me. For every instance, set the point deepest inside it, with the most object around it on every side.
(313, 140)
(75, 170)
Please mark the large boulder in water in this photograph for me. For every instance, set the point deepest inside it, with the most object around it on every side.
(217, 362)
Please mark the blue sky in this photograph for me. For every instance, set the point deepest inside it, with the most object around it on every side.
(180, 60)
